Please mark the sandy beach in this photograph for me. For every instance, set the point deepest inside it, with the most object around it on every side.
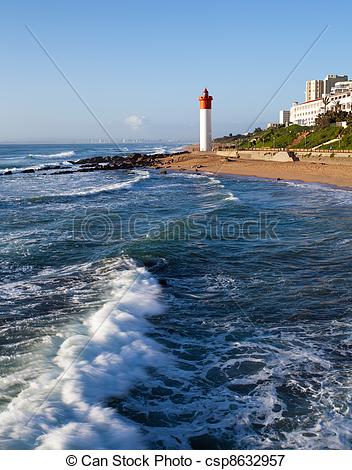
(337, 172)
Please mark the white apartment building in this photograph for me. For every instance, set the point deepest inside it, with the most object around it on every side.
(321, 96)
(284, 117)
(314, 89)
(341, 87)
(344, 100)
(306, 113)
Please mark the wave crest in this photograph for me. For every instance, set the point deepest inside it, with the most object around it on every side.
(103, 358)
(69, 153)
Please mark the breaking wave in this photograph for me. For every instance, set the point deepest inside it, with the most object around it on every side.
(140, 175)
(63, 408)
(69, 153)
(44, 166)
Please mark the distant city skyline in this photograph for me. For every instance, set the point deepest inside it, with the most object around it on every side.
(140, 66)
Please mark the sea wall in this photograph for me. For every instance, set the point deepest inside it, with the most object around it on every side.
(279, 155)
(276, 156)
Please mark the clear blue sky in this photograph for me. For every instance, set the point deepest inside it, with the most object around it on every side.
(140, 65)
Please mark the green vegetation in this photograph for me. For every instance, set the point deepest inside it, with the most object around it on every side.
(332, 116)
(319, 136)
(345, 143)
(297, 137)
(274, 137)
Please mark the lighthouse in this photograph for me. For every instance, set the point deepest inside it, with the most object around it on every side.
(205, 121)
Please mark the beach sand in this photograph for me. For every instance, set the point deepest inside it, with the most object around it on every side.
(337, 172)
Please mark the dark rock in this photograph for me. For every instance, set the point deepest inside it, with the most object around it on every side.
(29, 170)
(50, 167)
(86, 170)
(64, 172)
(163, 282)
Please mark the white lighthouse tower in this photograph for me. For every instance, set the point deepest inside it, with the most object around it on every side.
(205, 121)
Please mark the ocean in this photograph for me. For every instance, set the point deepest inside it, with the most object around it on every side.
(142, 310)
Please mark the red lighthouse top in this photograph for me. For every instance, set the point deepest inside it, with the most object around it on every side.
(205, 100)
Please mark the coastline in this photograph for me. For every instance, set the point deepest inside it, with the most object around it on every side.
(326, 172)
(309, 168)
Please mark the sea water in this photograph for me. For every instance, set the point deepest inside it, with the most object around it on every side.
(124, 324)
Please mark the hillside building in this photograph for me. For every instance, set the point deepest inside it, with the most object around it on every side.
(314, 89)
(284, 117)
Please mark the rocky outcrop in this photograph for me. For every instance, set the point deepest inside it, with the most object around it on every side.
(117, 162)
(106, 163)
(132, 160)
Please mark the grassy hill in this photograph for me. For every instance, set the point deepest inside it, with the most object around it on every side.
(293, 136)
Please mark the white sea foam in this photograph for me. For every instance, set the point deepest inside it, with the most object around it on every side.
(43, 166)
(215, 181)
(262, 405)
(331, 194)
(186, 175)
(158, 151)
(181, 148)
(103, 357)
(207, 176)
(208, 179)
(69, 153)
(231, 197)
(140, 175)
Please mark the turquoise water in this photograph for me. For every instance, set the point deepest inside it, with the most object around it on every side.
(172, 311)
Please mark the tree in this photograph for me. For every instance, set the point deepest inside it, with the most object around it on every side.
(337, 107)
(332, 116)
(326, 101)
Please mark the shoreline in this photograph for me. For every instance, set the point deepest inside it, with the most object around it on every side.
(335, 172)
(307, 171)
